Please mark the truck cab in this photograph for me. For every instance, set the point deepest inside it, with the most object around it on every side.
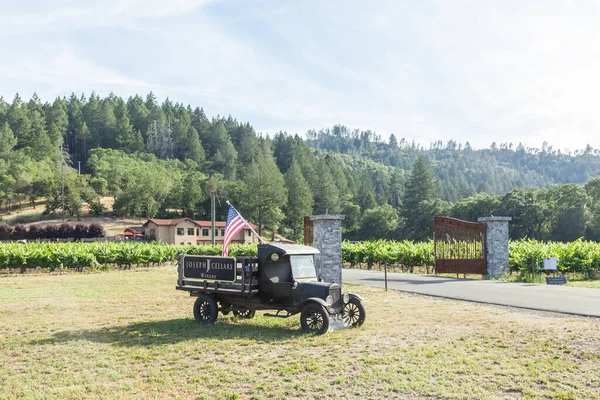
(287, 275)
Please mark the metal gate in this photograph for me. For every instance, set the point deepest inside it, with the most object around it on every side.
(308, 232)
(459, 246)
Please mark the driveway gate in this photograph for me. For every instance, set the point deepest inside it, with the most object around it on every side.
(459, 246)
(308, 232)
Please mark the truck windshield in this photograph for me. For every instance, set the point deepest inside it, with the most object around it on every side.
(303, 267)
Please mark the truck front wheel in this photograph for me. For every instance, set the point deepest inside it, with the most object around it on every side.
(314, 319)
(354, 313)
(205, 309)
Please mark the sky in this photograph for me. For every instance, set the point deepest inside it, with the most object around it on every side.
(478, 71)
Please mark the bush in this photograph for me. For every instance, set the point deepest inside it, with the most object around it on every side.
(35, 232)
(19, 232)
(5, 232)
(50, 232)
(96, 231)
(65, 230)
(80, 231)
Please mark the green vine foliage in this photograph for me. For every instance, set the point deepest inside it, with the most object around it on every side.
(582, 257)
(51, 256)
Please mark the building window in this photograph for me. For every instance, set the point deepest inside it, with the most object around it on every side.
(222, 232)
(183, 243)
(189, 244)
(204, 232)
(197, 232)
(180, 232)
(249, 232)
(191, 231)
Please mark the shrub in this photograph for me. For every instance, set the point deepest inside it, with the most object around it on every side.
(19, 232)
(80, 231)
(96, 230)
(65, 230)
(5, 231)
(35, 232)
(50, 232)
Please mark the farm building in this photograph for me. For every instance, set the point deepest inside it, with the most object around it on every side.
(185, 231)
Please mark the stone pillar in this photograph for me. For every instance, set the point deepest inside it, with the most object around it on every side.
(496, 246)
(327, 234)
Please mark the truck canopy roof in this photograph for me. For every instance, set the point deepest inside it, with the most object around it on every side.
(288, 249)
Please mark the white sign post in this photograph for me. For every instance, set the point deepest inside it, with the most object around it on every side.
(550, 263)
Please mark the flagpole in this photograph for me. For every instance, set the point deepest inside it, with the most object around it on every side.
(246, 222)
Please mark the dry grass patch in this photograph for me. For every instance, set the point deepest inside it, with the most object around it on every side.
(129, 334)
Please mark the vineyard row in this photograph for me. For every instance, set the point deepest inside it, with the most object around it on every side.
(578, 257)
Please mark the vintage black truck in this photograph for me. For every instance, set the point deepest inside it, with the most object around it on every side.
(282, 278)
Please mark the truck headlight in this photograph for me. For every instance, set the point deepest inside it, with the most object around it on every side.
(329, 300)
(346, 298)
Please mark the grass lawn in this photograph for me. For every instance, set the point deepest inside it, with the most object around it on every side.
(588, 284)
(129, 334)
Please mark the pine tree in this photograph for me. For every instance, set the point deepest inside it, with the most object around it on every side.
(326, 195)
(365, 196)
(57, 121)
(421, 188)
(126, 138)
(300, 200)
(7, 140)
(193, 149)
(267, 193)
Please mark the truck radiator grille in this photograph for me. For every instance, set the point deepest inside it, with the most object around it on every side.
(336, 293)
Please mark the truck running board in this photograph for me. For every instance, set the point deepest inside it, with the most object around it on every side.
(277, 314)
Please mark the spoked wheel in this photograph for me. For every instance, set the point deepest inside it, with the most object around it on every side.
(244, 313)
(205, 310)
(354, 313)
(314, 319)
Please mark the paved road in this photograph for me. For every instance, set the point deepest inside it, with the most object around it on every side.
(562, 299)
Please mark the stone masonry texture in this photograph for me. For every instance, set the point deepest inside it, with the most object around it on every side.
(496, 246)
(327, 234)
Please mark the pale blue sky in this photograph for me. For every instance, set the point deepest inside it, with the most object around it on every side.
(477, 71)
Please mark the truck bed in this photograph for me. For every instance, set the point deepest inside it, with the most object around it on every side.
(245, 282)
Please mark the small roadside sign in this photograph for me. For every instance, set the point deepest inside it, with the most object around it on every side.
(550, 263)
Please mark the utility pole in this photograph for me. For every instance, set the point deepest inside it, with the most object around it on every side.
(213, 194)
(62, 179)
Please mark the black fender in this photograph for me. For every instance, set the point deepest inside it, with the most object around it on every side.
(353, 296)
(316, 300)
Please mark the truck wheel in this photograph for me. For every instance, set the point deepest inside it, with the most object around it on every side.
(314, 319)
(244, 313)
(354, 313)
(205, 309)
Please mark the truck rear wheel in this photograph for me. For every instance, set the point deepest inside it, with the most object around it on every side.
(205, 309)
(314, 319)
(244, 313)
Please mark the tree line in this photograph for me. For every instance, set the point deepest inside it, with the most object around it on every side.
(163, 160)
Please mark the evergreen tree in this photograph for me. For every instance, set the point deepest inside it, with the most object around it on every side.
(326, 195)
(266, 191)
(193, 147)
(7, 140)
(300, 200)
(125, 137)
(57, 121)
(420, 187)
(365, 196)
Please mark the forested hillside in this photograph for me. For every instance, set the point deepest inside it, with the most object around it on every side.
(162, 160)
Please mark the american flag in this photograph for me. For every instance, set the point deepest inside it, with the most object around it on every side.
(235, 223)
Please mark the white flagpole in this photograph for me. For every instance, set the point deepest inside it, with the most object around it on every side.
(246, 222)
